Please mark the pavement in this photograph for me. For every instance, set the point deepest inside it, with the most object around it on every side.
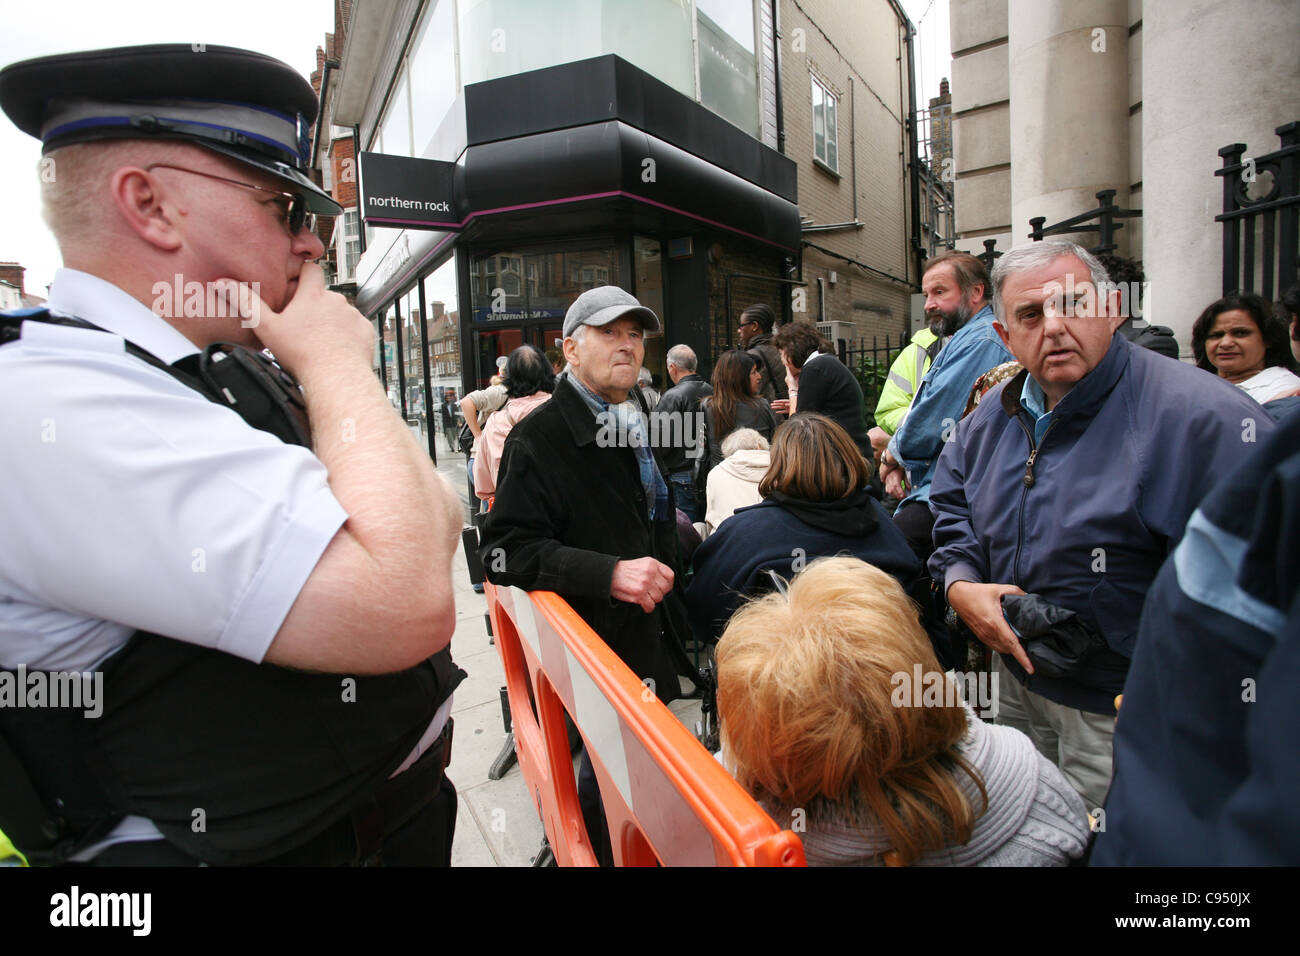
(497, 823)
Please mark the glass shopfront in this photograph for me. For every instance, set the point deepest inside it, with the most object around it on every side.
(418, 360)
(521, 295)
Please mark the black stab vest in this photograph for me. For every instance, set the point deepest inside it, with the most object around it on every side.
(234, 762)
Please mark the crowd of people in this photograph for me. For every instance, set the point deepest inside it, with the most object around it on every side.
(1048, 469)
(1047, 497)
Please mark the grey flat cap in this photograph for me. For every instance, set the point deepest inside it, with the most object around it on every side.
(604, 304)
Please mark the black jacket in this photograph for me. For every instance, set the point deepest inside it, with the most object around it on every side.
(784, 534)
(828, 387)
(757, 416)
(683, 398)
(770, 367)
(568, 510)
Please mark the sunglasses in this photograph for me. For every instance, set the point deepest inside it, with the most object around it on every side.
(296, 215)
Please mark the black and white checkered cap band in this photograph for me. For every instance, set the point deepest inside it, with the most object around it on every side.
(238, 124)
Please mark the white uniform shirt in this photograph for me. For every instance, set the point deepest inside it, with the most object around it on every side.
(132, 501)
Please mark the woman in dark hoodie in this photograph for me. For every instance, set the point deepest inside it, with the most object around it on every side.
(815, 505)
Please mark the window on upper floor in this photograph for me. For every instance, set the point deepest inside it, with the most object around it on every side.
(825, 137)
(349, 239)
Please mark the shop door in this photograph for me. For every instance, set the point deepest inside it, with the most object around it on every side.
(499, 342)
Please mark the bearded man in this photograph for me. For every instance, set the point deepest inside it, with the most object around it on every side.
(956, 288)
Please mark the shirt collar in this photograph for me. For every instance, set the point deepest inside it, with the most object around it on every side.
(1033, 399)
(592, 400)
(85, 296)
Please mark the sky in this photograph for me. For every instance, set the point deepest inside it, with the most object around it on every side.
(287, 29)
(931, 46)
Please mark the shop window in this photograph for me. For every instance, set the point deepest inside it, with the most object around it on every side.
(728, 67)
(538, 285)
(433, 74)
(442, 330)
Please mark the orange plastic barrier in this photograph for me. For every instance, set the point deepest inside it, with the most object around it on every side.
(667, 800)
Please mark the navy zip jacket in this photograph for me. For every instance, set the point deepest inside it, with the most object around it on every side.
(1086, 517)
(1206, 764)
(785, 534)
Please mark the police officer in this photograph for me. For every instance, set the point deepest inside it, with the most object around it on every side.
(269, 621)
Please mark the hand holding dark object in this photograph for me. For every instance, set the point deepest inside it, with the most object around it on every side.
(1054, 636)
(644, 581)
(980, 606)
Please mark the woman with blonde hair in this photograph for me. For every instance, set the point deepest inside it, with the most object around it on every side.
(821, 725)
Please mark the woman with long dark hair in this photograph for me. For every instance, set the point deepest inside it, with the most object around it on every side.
(529, 381)
(735, 403)
(1240, 339)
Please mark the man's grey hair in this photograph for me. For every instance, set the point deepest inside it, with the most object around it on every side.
(1037, 255)
(644, 377)
(579, 334)
(683, 356)
(743, 439)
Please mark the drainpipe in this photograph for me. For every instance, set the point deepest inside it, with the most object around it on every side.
(776, 58)
(913, 147)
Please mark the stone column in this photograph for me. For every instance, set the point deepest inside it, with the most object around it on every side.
(1212, 74)
(1068, 62)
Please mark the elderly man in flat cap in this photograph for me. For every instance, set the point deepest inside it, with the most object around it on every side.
(583, 507)
(255, 575)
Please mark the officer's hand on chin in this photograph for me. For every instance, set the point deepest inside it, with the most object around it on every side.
(316, 327)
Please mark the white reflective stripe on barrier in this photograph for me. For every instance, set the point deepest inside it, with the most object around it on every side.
(662, 812)
(600, 723)
(525, 621)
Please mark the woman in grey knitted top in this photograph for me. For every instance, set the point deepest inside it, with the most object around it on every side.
(820, 724)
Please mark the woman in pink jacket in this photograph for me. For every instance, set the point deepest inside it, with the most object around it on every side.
(529, 382)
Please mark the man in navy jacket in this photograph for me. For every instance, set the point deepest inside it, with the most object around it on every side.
(1074, 481)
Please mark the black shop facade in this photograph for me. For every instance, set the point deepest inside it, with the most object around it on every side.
(576, 176)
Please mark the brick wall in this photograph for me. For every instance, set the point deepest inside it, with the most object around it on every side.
(343, 156)
(856, 51)
(12, 273)
(729, 256)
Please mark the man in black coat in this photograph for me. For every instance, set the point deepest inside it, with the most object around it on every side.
(583, 509)
(681, 427)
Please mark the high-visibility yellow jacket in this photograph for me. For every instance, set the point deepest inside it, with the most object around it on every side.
(9, 855)
(904, 377)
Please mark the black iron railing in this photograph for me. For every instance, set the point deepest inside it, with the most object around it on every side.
(870, 364)
(1273, 213)
(1107, 216)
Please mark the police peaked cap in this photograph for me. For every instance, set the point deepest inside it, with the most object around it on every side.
(245, 105)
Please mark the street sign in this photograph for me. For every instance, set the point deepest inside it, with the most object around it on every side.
(408, 193)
